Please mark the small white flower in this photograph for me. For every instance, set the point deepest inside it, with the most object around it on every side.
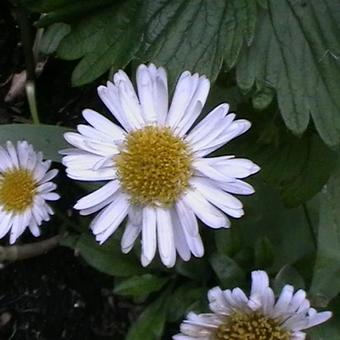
(156, 168)
(237, 317)
(24, 189)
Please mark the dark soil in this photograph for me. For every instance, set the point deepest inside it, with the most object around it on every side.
(57, 295)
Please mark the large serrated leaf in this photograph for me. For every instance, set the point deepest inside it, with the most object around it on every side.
(185, 35)
(326, 278)
(292, 54)
(241, 18)
(46, 138)
(108, 38)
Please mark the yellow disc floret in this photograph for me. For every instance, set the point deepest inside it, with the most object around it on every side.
(17, 190)
(154, 166)
(252, 326)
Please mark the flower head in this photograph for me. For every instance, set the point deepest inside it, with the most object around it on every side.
(24, 189)
(236, 317)
(155, 164)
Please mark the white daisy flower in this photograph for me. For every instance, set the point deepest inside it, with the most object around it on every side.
(237, 317)
(24, 189)
(156, 168)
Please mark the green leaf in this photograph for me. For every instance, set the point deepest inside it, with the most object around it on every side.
(108, 257)
(71, 10)
(141, 285)
(52, 37)
(46, 138)
(185, 35)
(287, 229)
(288, 275)
(150, 323)
(227, 242)
(108, 38)
(195, 269)
(227, 270)
(297, 55)
(241, 18)
(185, 298)
(326, 279)
(264, 253)
(43, 5)
(297, 167)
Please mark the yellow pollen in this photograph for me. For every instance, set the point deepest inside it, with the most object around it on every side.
(17, 190)
(253, 326)
(154, 166)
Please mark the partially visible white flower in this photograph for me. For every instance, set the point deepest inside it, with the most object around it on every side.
(261, 316)
(156, 166)
(25, 186)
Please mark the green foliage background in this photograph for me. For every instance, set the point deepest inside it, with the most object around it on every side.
(278, 63)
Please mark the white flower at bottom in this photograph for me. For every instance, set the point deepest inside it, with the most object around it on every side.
(156, 168)
(237, 317)
(24, 189)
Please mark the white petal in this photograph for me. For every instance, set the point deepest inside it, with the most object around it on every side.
(5, 161)
(147, 92)
(131, 106)
(104, 125)
(189, 225)
(209, 127)
(224, 201)
(16, 229)
(48, 176)
(202, 166)
(109, 96)
(194, 107)
(111, 216)
(149, 243)
(23, 153)
(98, 196)
(232, 131)
(165, 234)
(5, 223)
(34, 229)
(97, 207)
(46, 187)
(180, 238)
(205, 211)
(50, 196)
(234, 167)
(217, 302)
(284, 299)
(260, 283)
(92, 175)
(237, 187)
(130, 235)
(185, 88)
(12, 154)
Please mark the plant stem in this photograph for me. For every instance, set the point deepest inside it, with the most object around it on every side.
(15, 253)
(27, 44)
(32, 102)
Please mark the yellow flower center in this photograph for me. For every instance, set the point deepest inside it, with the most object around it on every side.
(17, 190)
(154, 166)
(253, 326)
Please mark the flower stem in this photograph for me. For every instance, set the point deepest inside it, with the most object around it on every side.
(26, 251)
